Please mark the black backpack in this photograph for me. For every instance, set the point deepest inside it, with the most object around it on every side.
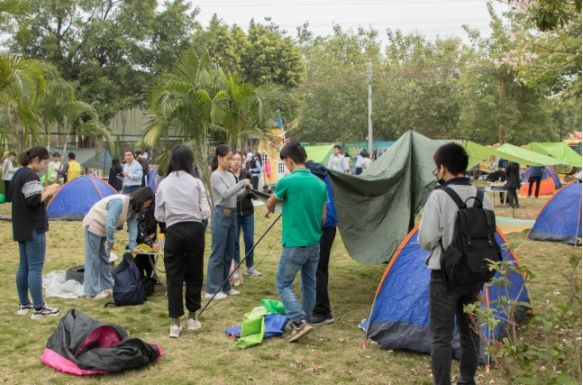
(128, 287)
(466, 261)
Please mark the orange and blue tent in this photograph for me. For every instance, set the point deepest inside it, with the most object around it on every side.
(75, 198)
(560, 218)
(399, 317)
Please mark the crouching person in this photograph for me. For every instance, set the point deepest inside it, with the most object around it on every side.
(303, 197)
(100, 224)
(446, 304)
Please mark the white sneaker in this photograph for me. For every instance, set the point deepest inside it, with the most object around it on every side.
(174, 331)
(252, 272)
(24, 309)
(104, 294)
(220, 295)
(45, 311)
(193, 324)
(233, 292)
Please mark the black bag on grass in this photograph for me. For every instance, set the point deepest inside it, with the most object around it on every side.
(466, 261)
(128, 287)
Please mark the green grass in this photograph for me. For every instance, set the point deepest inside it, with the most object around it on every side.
(331, 355)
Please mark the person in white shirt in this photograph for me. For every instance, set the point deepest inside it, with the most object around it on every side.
(132, 173)
(8, 171)
(337, 161)
(366, 160)
(54, 166)
(182, 203)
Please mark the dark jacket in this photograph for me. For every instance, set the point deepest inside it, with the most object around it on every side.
(245, 205)
(147, 225)
(512, 175)
(322, 172)
(84, 346)
(113, 180)
(28, 211)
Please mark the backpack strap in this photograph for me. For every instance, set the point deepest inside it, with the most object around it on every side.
(479, 199)
(453, 195)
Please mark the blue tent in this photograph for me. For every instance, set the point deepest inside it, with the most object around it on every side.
(547, 173)
(399, 318)
(75, 198)
(560, 218)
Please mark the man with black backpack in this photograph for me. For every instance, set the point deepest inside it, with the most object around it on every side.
(457, 227)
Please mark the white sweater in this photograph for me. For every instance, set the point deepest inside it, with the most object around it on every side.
(181, 198)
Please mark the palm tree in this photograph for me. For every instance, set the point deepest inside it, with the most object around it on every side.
(248, 111)
(22, 84)
(184, 102)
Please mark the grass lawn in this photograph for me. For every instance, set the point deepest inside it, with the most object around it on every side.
(330, 355)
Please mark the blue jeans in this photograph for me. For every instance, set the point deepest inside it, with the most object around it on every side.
(97, 276)
(304, 260)
(224, 232)
(29, 274)
(247, 222)
(129, 189)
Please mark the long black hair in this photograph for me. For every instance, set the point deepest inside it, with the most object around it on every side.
(221, 150)
(139, 197)
(39, 152)
(181, 159)
(115, 163)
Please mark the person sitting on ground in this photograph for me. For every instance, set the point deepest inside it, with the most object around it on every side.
(245, 218)
(8, 170)
(132, 173)
(100, 224)
(29, 225)
(182, 204)
(303, 197)
(436, 233)
(226, 191)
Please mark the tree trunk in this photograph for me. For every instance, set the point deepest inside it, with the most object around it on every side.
(501, 100)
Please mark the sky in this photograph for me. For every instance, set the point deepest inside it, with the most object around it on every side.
(428, 17)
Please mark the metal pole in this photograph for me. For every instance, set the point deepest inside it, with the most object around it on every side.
(370, 139)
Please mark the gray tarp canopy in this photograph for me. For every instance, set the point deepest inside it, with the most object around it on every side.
(377, 209)
(97, 158)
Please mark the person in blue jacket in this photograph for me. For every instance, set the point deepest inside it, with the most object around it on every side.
(322, 313)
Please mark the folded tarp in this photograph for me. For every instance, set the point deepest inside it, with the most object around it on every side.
(377, 209)
(558, 150)
(531, 158)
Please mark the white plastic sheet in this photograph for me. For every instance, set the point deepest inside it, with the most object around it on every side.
(56, 285)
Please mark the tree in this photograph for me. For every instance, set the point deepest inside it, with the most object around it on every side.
(111, 50)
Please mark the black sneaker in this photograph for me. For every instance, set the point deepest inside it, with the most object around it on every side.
(318, 319)
(43, 312)
(299, 331)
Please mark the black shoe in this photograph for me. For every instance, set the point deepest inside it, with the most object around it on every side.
(318, 319)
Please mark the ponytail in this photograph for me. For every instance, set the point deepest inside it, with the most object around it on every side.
(221, 150)
(34, 152)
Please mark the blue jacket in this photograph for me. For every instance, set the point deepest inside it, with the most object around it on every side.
(322, 172)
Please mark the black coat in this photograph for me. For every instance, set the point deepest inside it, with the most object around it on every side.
(91, 345)
(512, 175)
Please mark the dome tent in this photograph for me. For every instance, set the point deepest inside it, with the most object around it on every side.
(399, 317)
(75, 198)
(560, 219)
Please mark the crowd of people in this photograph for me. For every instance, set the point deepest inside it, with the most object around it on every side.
(182, 209)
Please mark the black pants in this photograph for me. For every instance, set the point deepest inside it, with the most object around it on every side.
(512, 197)
(145, 263)
(322, 300)
(532, 180)
(7, 194)
(358, 170)
(444, 307)
(183, 259)
(255, 182)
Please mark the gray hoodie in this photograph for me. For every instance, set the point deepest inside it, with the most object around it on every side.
(438, 220)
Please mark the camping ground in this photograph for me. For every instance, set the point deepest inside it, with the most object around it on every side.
(330, 355)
